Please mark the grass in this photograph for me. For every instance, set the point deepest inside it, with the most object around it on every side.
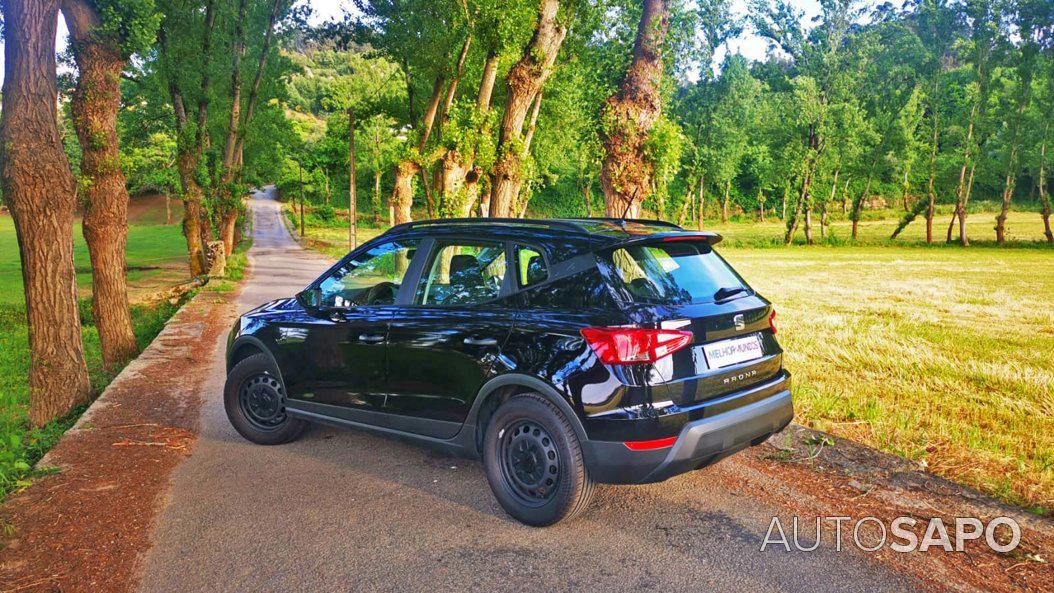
(939, 354)
(156, 258)
(1023, 229)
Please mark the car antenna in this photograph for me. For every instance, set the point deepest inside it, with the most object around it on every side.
(629, 204)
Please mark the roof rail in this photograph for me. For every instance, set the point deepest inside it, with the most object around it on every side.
(543, 222)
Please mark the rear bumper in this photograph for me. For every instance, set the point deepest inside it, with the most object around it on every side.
(700, 442)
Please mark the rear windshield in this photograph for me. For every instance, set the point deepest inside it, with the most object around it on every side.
(679, 272)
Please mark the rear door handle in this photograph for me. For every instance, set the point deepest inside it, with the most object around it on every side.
(474, 341)
(371, 338)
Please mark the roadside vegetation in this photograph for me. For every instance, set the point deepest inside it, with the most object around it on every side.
(155, 262)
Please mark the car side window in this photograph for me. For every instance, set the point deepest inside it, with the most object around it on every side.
(371, 278)
(462, 273)
(530, 267)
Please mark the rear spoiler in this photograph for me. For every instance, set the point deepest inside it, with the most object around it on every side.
(709, 237)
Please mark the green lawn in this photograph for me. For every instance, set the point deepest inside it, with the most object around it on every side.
(156, 258)
(941, 354)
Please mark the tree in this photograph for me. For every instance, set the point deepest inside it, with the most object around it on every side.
(185, 47)
(630, 114)
(228, 204)
(103, 35)
(39, 189)
(1030, 14)
(985, 19)
(523, 83)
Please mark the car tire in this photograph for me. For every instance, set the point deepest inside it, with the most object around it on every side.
(534, 462)
(254, 397)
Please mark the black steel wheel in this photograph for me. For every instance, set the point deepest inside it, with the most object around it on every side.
(534, 462)
(530, 462)
(262, 401)
(254, 398)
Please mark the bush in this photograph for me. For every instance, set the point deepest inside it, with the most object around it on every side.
(324, 213)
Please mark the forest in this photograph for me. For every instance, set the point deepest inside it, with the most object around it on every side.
(605, 107)
(932, 117)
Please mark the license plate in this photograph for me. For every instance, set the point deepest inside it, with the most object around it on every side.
(734, 351)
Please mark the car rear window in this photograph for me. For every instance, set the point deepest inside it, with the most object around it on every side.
(678, 272)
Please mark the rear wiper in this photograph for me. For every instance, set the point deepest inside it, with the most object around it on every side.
(726, 292)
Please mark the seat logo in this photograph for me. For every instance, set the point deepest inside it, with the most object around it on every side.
(739, 322)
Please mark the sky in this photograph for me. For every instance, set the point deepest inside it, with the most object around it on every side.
(749, 45)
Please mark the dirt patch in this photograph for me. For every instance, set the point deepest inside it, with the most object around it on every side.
(815, 475)
(86, 527)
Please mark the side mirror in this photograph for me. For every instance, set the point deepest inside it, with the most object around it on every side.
(310, 299)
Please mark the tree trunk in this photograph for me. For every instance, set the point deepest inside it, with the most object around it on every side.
(808, 224)
(377, 196)
(454, 80)
(39, 189)
(823, 220)
(168, 209)
(1045, 213)
(808, 168)
(858, 205)
(783, 205)
(456, 170)
(960, 189)
(96, 102)
(403, 193)
(191, 144)
(724, 202)
(193, 212)
(905, 198)
(699, 191)
(528, 137)
(486, 84)
(1011, 173)
(1000, 221)
(236, 89)
(626, 174)
(761, 206)
(524, 81)
(430, 114)
(353, 202)
(587, 196)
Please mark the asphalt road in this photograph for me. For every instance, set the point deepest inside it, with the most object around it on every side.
(348, 511)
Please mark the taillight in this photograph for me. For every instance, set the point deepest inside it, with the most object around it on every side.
(633, 345)
(772, 321)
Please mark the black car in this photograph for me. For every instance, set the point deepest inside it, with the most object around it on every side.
(563, 352)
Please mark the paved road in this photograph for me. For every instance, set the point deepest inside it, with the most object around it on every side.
(348, 511)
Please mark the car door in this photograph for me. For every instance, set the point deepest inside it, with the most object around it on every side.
(445, 344)
(344, 349)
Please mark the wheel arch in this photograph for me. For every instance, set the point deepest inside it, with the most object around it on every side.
(501, 388)
(246, 346)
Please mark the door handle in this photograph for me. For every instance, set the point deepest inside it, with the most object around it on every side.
(474, 341)
(371, 338)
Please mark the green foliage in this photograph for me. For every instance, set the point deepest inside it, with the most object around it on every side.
(131, 23)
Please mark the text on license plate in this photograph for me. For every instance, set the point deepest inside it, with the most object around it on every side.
(733, 351)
